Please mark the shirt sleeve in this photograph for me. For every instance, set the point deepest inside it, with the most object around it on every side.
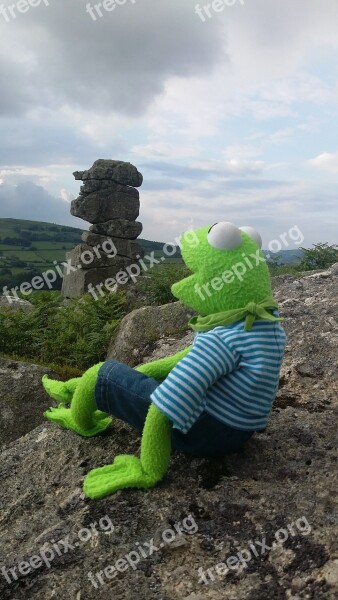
(182, 395)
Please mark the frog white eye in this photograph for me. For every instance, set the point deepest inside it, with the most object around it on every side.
(253, 234)
(224, 236)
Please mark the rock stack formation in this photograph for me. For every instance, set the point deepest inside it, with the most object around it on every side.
(109, 201)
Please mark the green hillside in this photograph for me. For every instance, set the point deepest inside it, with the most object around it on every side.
(28, 248)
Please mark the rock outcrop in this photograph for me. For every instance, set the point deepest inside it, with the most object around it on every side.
(14, 303)
(310, 370)
(108, 199)
(282, 487)
(22, 398)
(140, 332)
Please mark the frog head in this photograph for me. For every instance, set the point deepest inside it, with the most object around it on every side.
(228, 269)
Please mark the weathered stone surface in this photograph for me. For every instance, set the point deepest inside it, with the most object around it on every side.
(22, 398)
(120, 202)
(75, 284)
(115, 170)
(167, 346)
(11, 303)
(119, 228)
(91, 186)
(123, 247)
(108, 201)
(333, 270)
(84, 257)
(143, 327)
(310, 370)
(286, 474)
(95, 185)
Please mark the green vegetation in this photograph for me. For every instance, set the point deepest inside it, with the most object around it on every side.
(71, 337)
(156, 288)
(277, 268)
(76, 335)
(321, 256)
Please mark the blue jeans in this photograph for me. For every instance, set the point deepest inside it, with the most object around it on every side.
(125, 393)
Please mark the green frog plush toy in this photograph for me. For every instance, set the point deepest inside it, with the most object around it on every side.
(207, 400)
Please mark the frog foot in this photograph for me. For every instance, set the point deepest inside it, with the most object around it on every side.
(63, 417)
(126, 472)
(60, 391)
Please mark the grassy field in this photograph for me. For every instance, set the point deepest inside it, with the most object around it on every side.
(34, 242)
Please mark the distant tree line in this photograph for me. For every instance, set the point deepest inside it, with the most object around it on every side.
(8, 241)
(27, 237)
(40, 227)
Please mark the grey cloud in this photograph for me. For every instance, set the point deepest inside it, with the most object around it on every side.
(48, 141)
(15, 96)
(33, 202)
(119, 62)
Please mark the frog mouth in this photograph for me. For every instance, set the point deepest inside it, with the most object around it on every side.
(183, 285)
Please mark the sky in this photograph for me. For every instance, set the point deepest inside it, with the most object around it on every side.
(230, 112)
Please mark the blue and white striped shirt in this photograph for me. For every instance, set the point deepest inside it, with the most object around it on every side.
(230, 373)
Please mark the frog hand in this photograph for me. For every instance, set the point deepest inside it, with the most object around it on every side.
(125, 472)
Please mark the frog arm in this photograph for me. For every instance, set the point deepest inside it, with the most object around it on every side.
(160, 369)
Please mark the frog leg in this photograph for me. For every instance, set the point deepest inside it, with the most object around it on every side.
(60, 391)
(82, 416)
(132, 472)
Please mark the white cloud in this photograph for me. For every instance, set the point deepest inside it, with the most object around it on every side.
(327, 161)
(162, 149)
(66, 196)
(17, 174)
(230, 166)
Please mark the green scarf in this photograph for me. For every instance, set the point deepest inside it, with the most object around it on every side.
(250, 313)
